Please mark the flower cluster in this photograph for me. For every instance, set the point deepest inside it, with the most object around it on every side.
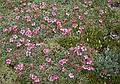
(19, 67)
(34, 32)
(53, 77)
(78, 49)
(34, 78)
(88, 63)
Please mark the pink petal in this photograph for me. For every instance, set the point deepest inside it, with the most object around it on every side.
(8, 61)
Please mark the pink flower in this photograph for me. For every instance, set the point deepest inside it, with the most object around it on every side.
(33, 24)
(16, 9)
(59, 24)
(24, 4)
(15, 36)
(37, 80)
(1, 17)
(28, 53)
(5, 29)
(81, 29)
(49, 20)
(28, 10)
(79, 52)
(22, 31)
(68, 53)
(81, 17)
(8, 61)
(46, 18)
(27, 41)
(34, 6)
(11, 40)
(36, 31)
(83, 48)
(14, 28)
(74, 25)
(8, 49)
(43, 3)
(46, 51)
(42, 66)
(77, 48)
(17, 17)
(49, 60)
(18, 44)
(72, 49)
(71, 75)
(10, 29)
(28, 33)
(19, 66)
(21, 10)
(54, 8)
(28, 18)
(62, 61)
(87, 60)
(109, 1)
(53, 77)
(86, 57)
(54, 13)
(22, 39)
(65, 31)
(54, 20)
(87, 67)
(34, 78)
(30, 46)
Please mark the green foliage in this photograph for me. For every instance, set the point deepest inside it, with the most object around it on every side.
(108, 62)
(24, 79)
(106, 68)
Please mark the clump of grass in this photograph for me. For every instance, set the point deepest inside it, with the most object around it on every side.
(68, 41)
(7, 75)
